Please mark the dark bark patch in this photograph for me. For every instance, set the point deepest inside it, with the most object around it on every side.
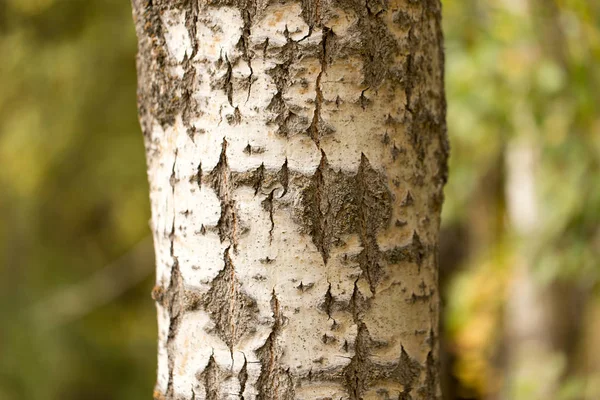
(173, 299)
(408, 200)
(363, 100)
(415, 252)
(357, 304)
(287, 121)
(232, 311)
(212, 377)
(274, 382)
(318, 127)
(329, 206)
(374, 205)
(259, 176)
(303, 287)
(327, 304)
(374, 42)
(328, 339)
(225, 82)
(250, 150)
(336, 203)
(358, 373)
(284, 178)
(268, 205)
(376, 6)
(400, 223)
(361, 373)
(235, 118)
(243, 378)
(221, 182)
(430, 388)
(197, 178)
(407, 371)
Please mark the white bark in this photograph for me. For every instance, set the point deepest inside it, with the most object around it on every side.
(296, 156)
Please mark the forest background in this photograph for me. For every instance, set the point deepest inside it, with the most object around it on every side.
(520, 253)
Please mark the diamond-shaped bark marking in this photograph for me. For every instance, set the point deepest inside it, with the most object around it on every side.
(373, 212)
(414, 252)
(329, 206)
(233, 312)
(407, 371)
(212, 376)
(359, 373)
(336, 203)
(363, 371)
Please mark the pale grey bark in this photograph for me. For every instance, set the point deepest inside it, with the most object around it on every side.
(296, 158)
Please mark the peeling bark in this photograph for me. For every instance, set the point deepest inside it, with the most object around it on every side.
(296, 158)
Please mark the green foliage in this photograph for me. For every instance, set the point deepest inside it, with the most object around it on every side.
(74, 198)
(74, 192)
(521, 70)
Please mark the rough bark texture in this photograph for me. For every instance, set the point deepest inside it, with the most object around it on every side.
(296, 158)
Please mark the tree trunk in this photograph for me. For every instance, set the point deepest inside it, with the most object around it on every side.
(296, 158)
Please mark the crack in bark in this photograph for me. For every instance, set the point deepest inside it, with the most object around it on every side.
(173, 299)
(259, 176)
(317, 126)
(174, 293)
(243, 378)
(226, 82)
(198, 176)
(267, 204)
(189, 77)
(243, 45)
(352, 372)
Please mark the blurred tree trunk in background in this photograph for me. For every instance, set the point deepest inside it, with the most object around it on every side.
(296, 158)
(528, 345)
(543, 319)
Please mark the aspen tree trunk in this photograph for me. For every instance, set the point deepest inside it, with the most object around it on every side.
(296, 158)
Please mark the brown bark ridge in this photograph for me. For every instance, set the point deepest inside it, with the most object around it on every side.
(296, 158)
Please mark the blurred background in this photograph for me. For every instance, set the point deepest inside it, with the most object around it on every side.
(520, 245)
